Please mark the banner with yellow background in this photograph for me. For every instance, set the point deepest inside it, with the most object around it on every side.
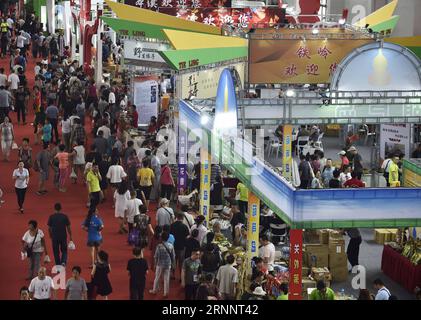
(297, 61)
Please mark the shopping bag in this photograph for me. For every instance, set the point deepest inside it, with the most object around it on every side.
(71, 246)
(133, 237)
(14, 146)
(73, 174)
(47, 259)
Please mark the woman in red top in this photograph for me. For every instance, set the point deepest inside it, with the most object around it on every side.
(153, 126)
(167, 182)
(135, 117)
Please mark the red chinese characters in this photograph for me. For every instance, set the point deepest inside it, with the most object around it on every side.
(333, 68)
(303, 52)
(324, 52)
(312, 69)
(291, 70)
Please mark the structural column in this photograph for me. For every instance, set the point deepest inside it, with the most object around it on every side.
(205, 174)
(295, 264)
(287, 152)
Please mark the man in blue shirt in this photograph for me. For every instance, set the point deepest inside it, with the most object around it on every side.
(52, 115)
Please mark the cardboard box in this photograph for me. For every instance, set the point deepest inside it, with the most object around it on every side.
(393, 234)
(305, 272)
(334, 235)
(321, 274)
(339, 274)
(317, 255)
(381, 236)
(338, 261)
(311, 236)
(307, 283)
(323, 236)
(336, 246)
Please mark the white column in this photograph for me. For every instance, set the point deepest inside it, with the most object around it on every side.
(98, 66)
(51, 16)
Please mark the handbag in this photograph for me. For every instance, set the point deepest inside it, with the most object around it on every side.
(29, 250)
(73, 174)
(133, 237)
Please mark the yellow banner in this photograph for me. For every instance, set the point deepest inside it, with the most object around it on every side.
(253, 225)
(205, 175)
(286, 153)
(297, 61)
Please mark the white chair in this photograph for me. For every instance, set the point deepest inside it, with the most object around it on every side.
(319, 142)
(301, 142)
(279, 231)
(274, 144)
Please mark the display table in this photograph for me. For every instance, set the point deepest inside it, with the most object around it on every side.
(400, 269)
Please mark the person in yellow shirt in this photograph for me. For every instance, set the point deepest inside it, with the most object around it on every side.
(93, 178)
(4, 38)
(394, 173)
(146, 177)
(242, 197)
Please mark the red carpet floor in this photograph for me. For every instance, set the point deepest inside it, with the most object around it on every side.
(13, 225)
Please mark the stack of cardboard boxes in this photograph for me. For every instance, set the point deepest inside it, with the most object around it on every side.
(381, 236)
(329, 252)
(338, 264)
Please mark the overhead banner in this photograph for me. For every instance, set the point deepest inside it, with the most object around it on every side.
(145, 98)
(253, 226)
(144, 53)
(295, 264)
(204, 84)
(395, 139)
(205, 175)
(297, 61)
(182, 154)
(158, 4)
(242, 17)
(287, 153)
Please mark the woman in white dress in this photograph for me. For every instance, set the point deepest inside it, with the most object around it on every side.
(121, 197)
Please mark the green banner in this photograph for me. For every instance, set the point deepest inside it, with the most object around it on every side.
(185, 59)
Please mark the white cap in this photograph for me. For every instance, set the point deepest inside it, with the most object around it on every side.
(342, 153)
(259, 291)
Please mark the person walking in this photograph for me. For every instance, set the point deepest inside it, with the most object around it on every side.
(58, 228)
(227, 278)
(33, 247)
(66, 130)
(21, 177)
(46, 132)
(180, 232)
(190, 273)
(42, 287)
(116, 174)
(394, 173)
(79, 160)
(164, 260)
(121, 198)
(132, 209)
(146, 177)
(21, 100)
(7, 137)
(137, 268)
(93, 179)
(63, 159)
(76, 288)
(353, 249)
(99, 275)
(93, 225)
(167, 182)
(165, 214)
(52, 114)
(42, 161)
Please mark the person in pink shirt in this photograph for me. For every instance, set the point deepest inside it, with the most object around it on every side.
(167, 182)
(63, 165)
